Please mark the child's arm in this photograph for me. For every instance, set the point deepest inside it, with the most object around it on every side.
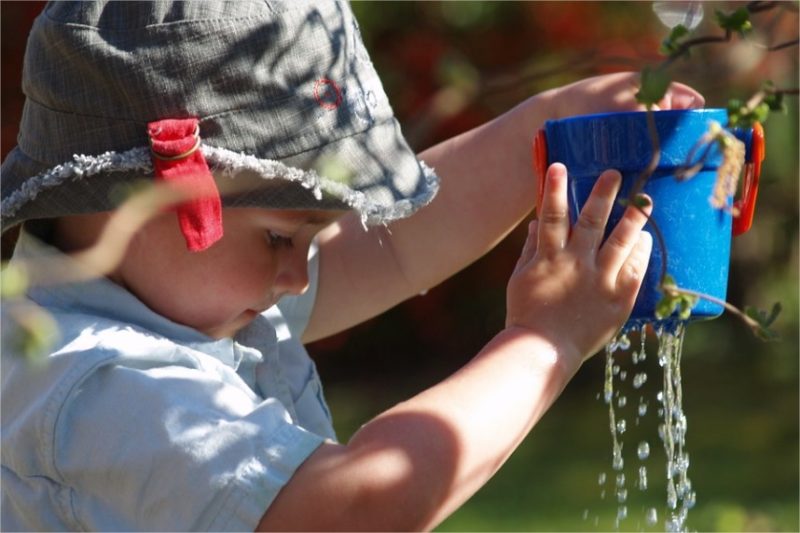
(412, 466)
(487, 188)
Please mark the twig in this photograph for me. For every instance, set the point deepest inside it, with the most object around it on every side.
(673, 290)
(781, 46)
(756, 7)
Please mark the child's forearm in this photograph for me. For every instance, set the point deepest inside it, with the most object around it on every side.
(486, 188)
(412, 466)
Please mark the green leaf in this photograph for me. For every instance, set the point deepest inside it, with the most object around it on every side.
(687, 304)
(761, 112)
(654, 86)
(761, 316)
(738, 21)
(775, 102)
(767, 335)
(674, 300)
(669, 302)
(776, 310)
(665, 307)
(763, 321)
(672, 43)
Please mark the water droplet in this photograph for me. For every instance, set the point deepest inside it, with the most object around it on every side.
(621, 426)
(623, 343)
(601, 479)
(586, 514)
(652, 516)
(620, 480)
(642, 409)
(643, 478)
(622, 401)
(622, 512)
(643, 451)
(690, 500)
(603, 494)
(660, 396)
(672, 496)
(608, 387)
(684, 462)
(622, 495)
(615, 369)
(639, 380)
(623, 374)
(617, 463)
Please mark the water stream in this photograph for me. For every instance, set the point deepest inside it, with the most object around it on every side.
(671, 428)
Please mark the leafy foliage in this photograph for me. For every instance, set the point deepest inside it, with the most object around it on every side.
(654, 84)
(764, 320)
(738, 21)
(673, 42)
(674, 300)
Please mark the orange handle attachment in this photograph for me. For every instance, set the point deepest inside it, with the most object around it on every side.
(746, 205)
(539, 165)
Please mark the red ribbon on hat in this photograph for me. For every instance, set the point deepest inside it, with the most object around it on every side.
(176, 159)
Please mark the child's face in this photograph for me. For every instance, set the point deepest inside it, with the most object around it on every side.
(261, 257)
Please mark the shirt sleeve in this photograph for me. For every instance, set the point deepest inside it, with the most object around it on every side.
(173, 448)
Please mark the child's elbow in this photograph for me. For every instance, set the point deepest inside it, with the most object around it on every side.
(386, 479)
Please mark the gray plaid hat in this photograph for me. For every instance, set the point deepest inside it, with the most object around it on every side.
(284, 92)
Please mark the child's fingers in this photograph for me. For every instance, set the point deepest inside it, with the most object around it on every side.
(529, 248)
(680, 96)
(588, 230)
(622, 239)
(554, 216)
(632, 273)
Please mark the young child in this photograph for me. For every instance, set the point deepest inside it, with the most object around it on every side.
(179, 395)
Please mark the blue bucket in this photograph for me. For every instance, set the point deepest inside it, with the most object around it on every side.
(697, 236)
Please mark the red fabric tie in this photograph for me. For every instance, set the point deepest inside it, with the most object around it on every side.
(178, 160)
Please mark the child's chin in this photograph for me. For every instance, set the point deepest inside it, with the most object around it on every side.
(231, 328)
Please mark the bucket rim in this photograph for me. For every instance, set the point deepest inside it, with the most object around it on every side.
(706, 112)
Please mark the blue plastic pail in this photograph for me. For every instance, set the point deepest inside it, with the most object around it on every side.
(697, 236)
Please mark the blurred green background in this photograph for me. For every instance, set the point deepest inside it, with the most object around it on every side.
(450, 66)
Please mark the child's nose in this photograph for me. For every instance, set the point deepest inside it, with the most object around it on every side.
(293, 275)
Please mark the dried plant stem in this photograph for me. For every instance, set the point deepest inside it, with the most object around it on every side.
(673, 290)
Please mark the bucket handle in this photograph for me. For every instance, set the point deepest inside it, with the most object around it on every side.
(746, 205)
(539, 165)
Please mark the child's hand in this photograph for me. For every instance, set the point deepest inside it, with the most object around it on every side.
(566, 287)
(617, 92)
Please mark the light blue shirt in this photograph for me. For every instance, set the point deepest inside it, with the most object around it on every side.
(139, 423)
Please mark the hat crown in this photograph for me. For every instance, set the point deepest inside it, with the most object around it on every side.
(120, 65)
(283, 92)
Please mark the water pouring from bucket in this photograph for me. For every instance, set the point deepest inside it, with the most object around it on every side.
(693, 220)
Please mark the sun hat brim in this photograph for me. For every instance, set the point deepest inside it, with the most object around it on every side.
(326, 178)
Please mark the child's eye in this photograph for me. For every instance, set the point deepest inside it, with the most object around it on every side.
(276, 240)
